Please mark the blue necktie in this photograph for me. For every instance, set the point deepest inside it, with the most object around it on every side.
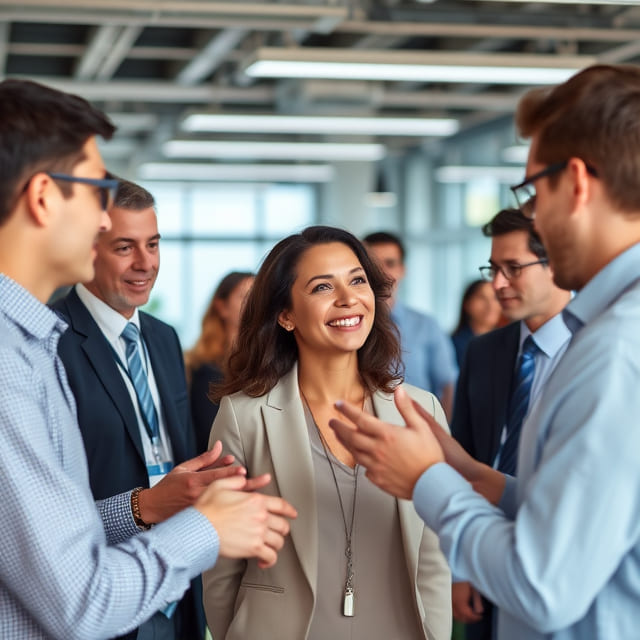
(145, 402)
(518, 405)
(139, 379)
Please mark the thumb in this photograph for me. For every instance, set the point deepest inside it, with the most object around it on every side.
(404, 403)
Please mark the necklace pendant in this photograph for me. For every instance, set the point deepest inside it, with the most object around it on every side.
(347, 606)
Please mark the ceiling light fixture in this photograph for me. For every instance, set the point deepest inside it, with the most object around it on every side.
(413, 66)
(337, 125)
(457, 174)
(195, 171)
(516, 154)
(330, 151)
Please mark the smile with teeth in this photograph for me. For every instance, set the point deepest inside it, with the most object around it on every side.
(346, 322)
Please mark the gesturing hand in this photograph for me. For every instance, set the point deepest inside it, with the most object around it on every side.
(249, 525)
(182, 486)
(395, 457)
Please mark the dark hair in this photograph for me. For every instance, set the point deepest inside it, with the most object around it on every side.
(592, 116)
(41, 129)
(212, 343)
(469, 292)
(264, 351)
(385, 237)
(132, 196)
(509, 220)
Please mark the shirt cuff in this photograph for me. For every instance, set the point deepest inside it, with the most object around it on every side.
(433, 491)
(190, 536)
(508, 502)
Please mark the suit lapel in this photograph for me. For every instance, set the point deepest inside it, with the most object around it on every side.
(100, 355)
(161, 372)
(385, 409)
(290, 449)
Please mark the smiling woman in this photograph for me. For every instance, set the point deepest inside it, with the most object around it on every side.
(315, 329)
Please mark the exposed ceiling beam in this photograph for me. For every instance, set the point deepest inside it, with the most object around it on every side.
(167, 92)
(466, 30)
(64, 50)
(211, 56)
(101, 41)
(118, 51)
(4, 45)
(621, 54)
(282, 17)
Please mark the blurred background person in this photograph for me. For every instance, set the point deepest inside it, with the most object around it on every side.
(360, 564)
(207, 360)
(479, 312)
(427, 354)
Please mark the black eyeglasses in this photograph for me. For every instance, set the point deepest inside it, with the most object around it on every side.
(509, 271)
(107, 187)
(525, 192)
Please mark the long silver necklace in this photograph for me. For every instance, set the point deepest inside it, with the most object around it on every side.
(348, 607)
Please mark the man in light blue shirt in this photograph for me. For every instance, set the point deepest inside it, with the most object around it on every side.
(558, 548)
(427, 352)
(71, 568)
(487, 392)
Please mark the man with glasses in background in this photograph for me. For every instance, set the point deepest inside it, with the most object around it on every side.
(491, 401)
(557, 548)
(71, 567)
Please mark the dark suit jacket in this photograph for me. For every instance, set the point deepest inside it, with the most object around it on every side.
(482, 394)
(106, 415)
(203, 410)
(480, 412)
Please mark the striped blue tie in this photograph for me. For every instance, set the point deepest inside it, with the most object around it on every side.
(139, 380)
(518, 405)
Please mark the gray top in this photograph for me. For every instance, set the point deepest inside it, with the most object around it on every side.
(384, 605)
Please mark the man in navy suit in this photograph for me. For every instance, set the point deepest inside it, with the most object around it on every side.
(121, 451)
(522, 280)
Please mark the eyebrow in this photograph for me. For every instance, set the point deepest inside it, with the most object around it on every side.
(330, 276)
(124, 239)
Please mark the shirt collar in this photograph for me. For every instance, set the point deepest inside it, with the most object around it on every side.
(110, 321)
(550, 337)
(603, 289)
(27, 312)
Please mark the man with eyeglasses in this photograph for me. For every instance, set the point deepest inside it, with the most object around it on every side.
(485, 418)
(71, 567)
(557, 548)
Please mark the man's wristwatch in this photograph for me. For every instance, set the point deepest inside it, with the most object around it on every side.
(135, 510)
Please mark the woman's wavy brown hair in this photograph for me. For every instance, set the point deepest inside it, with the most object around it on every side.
(264, 351)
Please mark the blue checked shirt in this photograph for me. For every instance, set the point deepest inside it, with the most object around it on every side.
(70, 567)
(560, 555)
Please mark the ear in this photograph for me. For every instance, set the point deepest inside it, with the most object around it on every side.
(582, 188)
(285, 321)
(221, 307)
(40, 197)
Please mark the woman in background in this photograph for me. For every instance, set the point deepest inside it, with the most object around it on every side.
(207, 361)
(479, 312)
(358, 564)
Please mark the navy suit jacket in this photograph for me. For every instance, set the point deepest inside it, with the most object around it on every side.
(480, 412)
(482, 394)
(106, 414)
(107, 418)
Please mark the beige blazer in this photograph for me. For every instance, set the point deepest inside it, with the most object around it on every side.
(269, 435)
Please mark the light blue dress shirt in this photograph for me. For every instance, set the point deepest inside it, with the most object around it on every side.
(552, 339)
(427, 352)
(561, 554)
(61, 576)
